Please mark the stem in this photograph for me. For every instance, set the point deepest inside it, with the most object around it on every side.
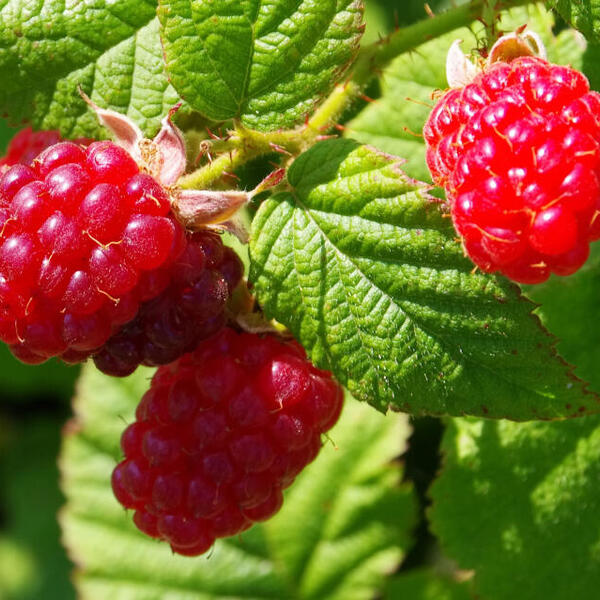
(378, 55)
(203, 178)
(242, 146)
(489, 17)
(333, 107)
(247, 144)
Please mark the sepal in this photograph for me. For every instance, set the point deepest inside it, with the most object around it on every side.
(459, 69)
(198, 208)
(163, 157)
(522, 42)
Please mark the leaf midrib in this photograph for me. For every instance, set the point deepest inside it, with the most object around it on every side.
(282, 75)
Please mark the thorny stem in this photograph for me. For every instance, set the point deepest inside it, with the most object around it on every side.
(245, 144)
(489, 18)
(242, 146)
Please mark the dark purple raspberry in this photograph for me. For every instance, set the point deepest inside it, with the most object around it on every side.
(187, 305)
(81, 232)
(219, 435)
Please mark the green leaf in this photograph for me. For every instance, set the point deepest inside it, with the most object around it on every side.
(267, 63)
(581, 14)
(6, 134)
(591, 65)
(111, 49)
(519, 503)
(344, 525)
(376, 22)
(360, 264)
(578, 334)
(394, 122)
(424, 584)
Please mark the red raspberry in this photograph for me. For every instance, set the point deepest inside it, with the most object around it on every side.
(81, 231)
(186, 305)
(518, 153)
(27, 144)
(219, 435)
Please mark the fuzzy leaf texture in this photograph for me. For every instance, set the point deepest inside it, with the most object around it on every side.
(345, 523)
(267, 63)
(394, 122)
(519, 503)
(112, 50)
(359, 262)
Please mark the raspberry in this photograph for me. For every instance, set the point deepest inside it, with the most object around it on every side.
(219, 435)
(81, 232)
(27, 144)
(518, 153)
(184, 304)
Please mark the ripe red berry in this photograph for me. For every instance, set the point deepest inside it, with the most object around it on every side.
(183, 304)
(27, 144)
(518, 153)
(219, 435)
(81, 232)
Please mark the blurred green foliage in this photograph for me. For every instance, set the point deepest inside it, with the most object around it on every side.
(33, 564)
(5, 134)
(51, 381)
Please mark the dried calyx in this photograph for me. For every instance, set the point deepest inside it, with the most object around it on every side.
(164, 158)
(460, 70)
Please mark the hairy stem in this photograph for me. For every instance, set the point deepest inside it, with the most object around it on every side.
(245, 144)
(204, 177)
(242, 146)
(335, 104)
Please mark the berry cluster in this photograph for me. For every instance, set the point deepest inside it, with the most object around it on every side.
(219, 435)
(518, 153)
(94, 263)
(81, 233)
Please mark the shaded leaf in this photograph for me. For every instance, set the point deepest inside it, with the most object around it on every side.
(568, 308)
(581, 14)
(423, 584)
(519, 504)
